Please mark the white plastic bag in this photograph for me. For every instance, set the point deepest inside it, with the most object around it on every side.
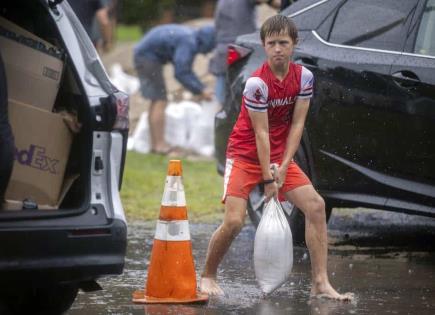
(273, 248)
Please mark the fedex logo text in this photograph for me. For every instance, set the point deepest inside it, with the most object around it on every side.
(35, 157)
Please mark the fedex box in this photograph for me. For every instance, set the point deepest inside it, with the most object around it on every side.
(42, 145)
(33, 66)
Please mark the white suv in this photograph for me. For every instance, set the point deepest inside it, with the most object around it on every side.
(47, 255)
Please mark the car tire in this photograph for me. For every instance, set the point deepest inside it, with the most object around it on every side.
(53, 300)
(295, 217)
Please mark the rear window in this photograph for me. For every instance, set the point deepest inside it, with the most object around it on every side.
(368, 23)
(311, 18)
(425, 44)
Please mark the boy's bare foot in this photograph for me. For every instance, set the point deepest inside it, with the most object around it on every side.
(209, 286)
(326, 291)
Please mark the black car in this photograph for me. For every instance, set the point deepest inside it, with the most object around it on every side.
(370, 132)
(46, 255)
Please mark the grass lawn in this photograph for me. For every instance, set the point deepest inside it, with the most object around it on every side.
(128, 33)
(144, 180)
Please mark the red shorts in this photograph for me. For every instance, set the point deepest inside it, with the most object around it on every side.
(241, 177)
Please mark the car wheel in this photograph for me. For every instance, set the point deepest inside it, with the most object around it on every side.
(53, 300)
(295, 217)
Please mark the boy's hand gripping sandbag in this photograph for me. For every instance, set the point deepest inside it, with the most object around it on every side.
(273, 248)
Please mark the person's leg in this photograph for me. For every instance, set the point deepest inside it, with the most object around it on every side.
(235, 212)
(313, 206)
(153, 87)
(239, 179)
(156, 119)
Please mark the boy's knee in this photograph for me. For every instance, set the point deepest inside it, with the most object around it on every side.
(316, 209)
(234, 225)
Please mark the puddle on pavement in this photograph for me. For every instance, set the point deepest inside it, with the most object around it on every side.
(391, 270)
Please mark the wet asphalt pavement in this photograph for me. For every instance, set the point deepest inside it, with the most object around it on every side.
(387, 260)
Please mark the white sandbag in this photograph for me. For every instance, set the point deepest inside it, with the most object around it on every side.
(140, 140)
(201, 133)
(273, 248)
(130, 144)
(178, 118)
(193, 112)
(123, 81)
(175, 126)
(187, 125)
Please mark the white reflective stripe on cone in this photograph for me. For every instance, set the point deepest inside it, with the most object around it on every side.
(172, 230)
(174, 192)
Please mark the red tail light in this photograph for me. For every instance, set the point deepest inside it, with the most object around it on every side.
(232, 56)
(122, 109)
(113, 112)
(235, 53)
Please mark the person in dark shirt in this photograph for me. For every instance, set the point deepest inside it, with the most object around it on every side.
(6, 137)
(286, 3)
(232, 19)
(112, 7)
(86, 11)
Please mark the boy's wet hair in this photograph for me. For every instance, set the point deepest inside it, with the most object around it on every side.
(279, 24)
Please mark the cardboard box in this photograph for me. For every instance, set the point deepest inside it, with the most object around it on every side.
(42, 142)
(14, 205)
(33, 66)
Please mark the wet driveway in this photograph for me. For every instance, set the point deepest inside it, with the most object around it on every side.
(387, 259)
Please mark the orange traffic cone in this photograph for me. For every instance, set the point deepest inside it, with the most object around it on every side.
(171, 274)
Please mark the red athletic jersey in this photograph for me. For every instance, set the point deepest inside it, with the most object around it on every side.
(264, 92)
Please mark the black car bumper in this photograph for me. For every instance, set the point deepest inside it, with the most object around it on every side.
(61, 253)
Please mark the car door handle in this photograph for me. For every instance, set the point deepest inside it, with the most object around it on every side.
(406, 78)
(305, 61)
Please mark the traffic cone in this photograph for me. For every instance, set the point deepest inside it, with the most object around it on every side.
(171, 273)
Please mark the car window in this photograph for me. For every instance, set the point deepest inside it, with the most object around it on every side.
(309, 17)
(324, 30)
(371, 24)
(425, 43)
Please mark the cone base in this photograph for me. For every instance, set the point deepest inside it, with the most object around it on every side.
(139, 297)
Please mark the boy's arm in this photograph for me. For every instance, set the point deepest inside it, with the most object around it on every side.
(298, 121)
(296, 130)
(260, 125)
(255, 100)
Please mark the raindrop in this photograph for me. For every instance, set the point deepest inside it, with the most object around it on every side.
(333, 274)
(410, 271)
(305, 256)
(350, 266)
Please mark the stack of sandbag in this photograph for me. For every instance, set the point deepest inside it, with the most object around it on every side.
(188, 125)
